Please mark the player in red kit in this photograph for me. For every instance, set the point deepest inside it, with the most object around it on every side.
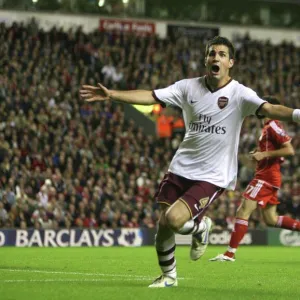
(274, 144)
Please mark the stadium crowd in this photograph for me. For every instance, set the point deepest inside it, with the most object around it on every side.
(65, 163)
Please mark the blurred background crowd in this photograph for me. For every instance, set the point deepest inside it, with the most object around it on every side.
(66, 163)
(247, 12)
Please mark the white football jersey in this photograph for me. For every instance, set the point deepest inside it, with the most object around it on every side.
(213, 122)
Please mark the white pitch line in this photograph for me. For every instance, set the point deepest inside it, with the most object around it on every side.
(75, 273)
(63, 280)
(48, 280)
(81, 273)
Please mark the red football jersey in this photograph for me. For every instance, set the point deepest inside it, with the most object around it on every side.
(272, 137)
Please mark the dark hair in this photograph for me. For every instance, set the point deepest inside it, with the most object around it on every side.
(219, 40)
(271, 100)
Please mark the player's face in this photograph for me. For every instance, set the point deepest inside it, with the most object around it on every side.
(218, 62)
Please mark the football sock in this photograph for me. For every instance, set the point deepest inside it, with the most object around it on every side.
(165, 249)
(288, 223)
(240, 229)
(192, 227)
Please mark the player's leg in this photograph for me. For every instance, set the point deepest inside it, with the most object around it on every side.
(241, 225)
(171, 220)
(168, 192)
(270, 215)
(177, 215)
(240, 229)
(180, 214)
(272, 219)
(185, 216)
(258, 192)
(165, 249)
(179, 218)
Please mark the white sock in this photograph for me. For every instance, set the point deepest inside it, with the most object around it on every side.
(192, 227)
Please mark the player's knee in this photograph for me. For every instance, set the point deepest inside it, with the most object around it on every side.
(270, 220)
(174, 220)
(244, 211)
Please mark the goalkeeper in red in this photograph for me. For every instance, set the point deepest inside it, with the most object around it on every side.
(274, 144)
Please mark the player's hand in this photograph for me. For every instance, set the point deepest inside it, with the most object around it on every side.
(258, 156)
(94, 93)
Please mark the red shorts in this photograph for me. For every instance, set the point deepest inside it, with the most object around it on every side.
(262, 192)
(196, 195)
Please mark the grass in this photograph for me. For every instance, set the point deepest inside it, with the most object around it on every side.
(124, 273)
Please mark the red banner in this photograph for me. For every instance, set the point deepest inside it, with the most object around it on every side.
(127, 26)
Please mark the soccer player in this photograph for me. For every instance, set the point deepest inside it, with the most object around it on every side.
(274, 144)
(214, 107)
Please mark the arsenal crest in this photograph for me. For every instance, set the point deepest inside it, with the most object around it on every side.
(203, 202)
(222, 102)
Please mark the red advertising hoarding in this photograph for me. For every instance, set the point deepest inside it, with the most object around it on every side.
(127, 26)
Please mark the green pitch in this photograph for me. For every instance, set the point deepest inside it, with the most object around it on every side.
(124, 273)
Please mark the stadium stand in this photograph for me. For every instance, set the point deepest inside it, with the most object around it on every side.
(65, 163)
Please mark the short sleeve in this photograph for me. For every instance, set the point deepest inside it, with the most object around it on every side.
(173, 95)
(278, 134)
(250, 102)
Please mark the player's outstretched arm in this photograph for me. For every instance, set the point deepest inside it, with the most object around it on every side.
(279, 112)
(101, 93)
(286, 149)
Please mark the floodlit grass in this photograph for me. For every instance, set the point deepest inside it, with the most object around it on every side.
(124, 273)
